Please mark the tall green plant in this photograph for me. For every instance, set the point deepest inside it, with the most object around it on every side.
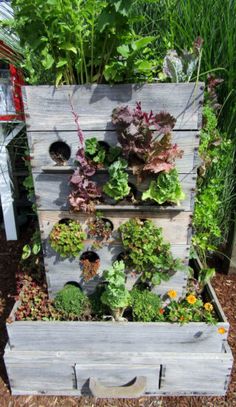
(81, 41)
(175, 24)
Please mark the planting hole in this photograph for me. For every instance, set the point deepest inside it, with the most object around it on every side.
(133, 190)
(104, 145)
(74, 283)
(121, 256)
(90, 263)
(100, 228)
(64, 221)
(59, 152)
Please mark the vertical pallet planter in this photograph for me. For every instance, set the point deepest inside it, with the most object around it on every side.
(108, 359)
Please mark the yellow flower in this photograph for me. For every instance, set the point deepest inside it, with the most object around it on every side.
(172, 293)
(208, 306)
(191, 299)
(222, 330)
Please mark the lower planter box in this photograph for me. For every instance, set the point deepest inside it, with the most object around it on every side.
(108, 359)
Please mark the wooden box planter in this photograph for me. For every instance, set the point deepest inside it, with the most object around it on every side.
(108, 359)
(99, 358)
(50, 120)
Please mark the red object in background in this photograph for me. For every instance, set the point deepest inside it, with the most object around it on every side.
(17, 81)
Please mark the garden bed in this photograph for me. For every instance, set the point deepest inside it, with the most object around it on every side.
(60, 357)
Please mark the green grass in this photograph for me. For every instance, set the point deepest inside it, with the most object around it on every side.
(176, 23)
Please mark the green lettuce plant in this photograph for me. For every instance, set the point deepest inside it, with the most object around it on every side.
(166, 188)
(117, 187)
(116, 295)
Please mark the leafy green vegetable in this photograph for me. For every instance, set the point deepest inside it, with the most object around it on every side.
(116, 296)
(117, 187)
(95, 151)
(215, 188)
(146, 252)
(166, 188)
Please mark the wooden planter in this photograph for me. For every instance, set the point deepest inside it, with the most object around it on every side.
(108, 359)
(50, 120)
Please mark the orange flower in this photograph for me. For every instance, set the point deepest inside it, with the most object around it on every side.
(222, 330)
(161, 311)
(172, 293)
(208, 306)
(191, 299)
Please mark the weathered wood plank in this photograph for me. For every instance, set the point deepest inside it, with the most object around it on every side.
(117, 375)
(52, 191)
(40, 143)
(48, 108)
(60, 274)
(67, 372)
(174, 224)
(115, 337)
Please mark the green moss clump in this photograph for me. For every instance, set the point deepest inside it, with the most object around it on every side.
(146, 306)
(71, 301)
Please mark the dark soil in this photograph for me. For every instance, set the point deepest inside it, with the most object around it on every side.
(10, 252)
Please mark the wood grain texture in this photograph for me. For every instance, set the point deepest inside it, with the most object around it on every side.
(52, 191)
(174, 224)
(40, 142)
(68, 372)
(116, 337)
(48, 108)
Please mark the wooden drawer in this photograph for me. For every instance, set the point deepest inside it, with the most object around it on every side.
(118, 375)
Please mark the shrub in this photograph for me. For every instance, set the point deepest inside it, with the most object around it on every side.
(146, 306)
(71, 301)
(67, 238)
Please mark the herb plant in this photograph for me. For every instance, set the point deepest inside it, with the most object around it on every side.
(166, 188)
(71, 301)
(81, 42)
(146, 306)
(116, 295)
(67, 238)
(117, 187)
(146, 252)
(215, 188)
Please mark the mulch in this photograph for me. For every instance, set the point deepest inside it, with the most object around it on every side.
(225, 287)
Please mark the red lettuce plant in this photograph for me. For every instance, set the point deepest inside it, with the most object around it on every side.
(84, 190)
(146, 139)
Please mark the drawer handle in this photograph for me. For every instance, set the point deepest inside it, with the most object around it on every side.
(134, 390)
